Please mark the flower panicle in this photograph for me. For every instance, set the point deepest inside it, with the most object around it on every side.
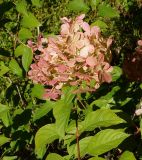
(78, 56)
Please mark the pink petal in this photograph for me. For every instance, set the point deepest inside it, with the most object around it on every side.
(86, 27)
(84, 52)
(91, 61)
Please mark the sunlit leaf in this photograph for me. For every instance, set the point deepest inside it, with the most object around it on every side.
(30, 21)
(15, 68)
(54, 156)
(127, 155)
(101, 118)
(25, 34)
(45, 135)
(27, 58)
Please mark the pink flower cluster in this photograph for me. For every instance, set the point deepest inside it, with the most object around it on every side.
(78, 56)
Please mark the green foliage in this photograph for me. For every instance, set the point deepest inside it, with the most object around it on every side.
(34, 128)
(107, 11)
(54, 156)
(45, 135)
(15, 68)
(78, 6)
(27, 58)
(127, 155)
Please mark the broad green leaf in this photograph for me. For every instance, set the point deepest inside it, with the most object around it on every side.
(101, 118)
(78, 6)
(21, 7)
(127, 155)
(38, 91)
(100, 24)
(30, 21)
(96, 158)
(3, 69)
(15, 68)
(21, 49)
(43, 110)
(3, 140)
(4, 115)
(116, 73)
(37, 3)
(61, 112)
(103, 102)
(105, 140)
(54, 156)
(25, 34)
(9, 158)
(107, 11)
(45, 135)
(27, 58)
(83, 144)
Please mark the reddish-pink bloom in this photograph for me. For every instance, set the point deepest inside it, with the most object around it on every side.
(75, 56)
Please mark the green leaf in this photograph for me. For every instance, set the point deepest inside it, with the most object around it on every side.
(27, 58)
(61, 113)
(45, 135)
(43, 110)
(4, 115)
(116, 73)
(30, 21)
(38, 91)
(127, 155)
(83, 144)
(54, 156)
(3, 140)
(94, 3)
(21, 49)
(15, 68)
(37, 3)
(107, 11)
(21, 7)
(9, 157)
(100, 24)
(96, 158)
(3, 69)
(25, 34)
(105, 140)
(78, 6)
(101, 118)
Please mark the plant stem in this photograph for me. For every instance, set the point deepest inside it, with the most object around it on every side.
(77, 136)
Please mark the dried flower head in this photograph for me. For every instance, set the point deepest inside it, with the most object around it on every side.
(78, 57)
